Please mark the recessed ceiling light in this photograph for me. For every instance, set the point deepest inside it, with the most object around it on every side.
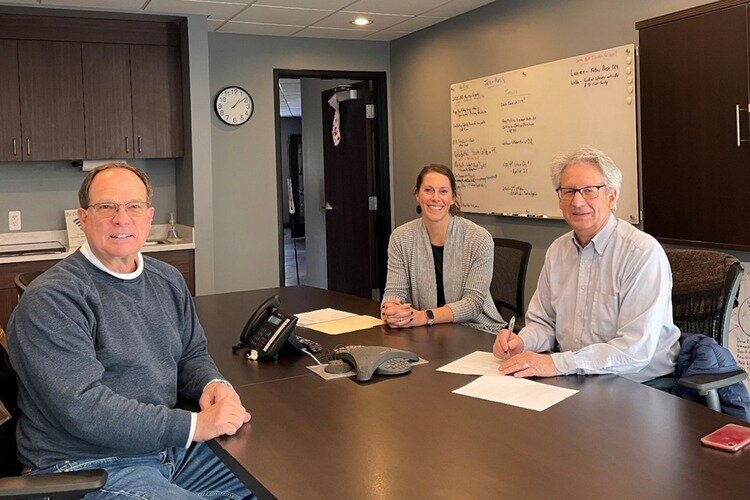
(361, 21)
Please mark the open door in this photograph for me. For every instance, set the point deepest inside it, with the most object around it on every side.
(296, 175)
(350, 203)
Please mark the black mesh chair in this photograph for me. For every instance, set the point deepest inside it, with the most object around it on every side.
(705, 288)
(509, 278)
(12, 485)
(22, 280)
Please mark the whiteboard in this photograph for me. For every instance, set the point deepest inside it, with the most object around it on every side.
(739, 327)
(506, 128)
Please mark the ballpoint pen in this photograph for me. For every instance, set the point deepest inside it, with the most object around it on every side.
(510, 326)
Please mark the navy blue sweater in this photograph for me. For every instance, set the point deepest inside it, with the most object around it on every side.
(101, 362)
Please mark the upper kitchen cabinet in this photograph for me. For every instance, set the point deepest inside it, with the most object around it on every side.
(81, 88)
(10, 124)
(695, 91)
(133, 101)
(107, 102)
(157, 101)
(51, 91)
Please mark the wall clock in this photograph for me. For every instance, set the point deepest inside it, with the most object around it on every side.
(233, 105)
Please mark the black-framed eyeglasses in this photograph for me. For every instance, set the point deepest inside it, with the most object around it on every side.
(110, 208)
(587, 192)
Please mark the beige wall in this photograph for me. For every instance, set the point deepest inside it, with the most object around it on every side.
(501, 36)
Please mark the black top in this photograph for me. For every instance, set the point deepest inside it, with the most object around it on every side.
(437, 257)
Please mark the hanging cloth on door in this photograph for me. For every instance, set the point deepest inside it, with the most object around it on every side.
(290, 195)
(335, 130)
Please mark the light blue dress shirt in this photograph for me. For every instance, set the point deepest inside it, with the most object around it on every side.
(607, 306)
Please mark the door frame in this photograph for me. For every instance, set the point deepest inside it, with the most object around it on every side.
(381, 173)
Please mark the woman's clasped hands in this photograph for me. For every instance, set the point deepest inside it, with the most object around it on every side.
(397, 314)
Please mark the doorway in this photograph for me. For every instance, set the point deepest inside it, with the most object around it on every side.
(314, 189)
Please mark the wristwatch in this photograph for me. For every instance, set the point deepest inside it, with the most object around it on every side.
(430, 317)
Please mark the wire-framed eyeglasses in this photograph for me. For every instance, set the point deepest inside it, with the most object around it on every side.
(110, 208)
(587, 192)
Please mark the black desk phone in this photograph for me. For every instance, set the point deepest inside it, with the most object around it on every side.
(268, 330)
(366, 359)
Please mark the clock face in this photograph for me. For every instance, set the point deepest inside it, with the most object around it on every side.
(234, 106)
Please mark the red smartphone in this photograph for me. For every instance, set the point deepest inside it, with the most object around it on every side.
(731, 437)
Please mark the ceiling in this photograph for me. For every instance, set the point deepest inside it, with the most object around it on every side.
(299, 18)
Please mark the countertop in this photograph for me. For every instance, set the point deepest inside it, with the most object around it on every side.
(158, 233)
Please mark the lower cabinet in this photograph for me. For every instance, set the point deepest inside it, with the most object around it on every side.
(183, 260)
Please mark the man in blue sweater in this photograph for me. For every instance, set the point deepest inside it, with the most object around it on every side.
(104, 344)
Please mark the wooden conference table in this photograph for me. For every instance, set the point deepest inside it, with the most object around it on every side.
(410, 437)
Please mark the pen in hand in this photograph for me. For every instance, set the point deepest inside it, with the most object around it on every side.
(510, 326)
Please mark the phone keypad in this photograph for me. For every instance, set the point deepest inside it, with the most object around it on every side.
(394, 366)
(261, 336)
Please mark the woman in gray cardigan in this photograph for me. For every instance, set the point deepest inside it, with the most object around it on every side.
(440, 265)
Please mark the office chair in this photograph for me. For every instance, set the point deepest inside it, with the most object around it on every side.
(66, 485)
(705, 287)
(22, 280)
(509, 278)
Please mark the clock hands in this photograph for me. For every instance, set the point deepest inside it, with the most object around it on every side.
(239, 101)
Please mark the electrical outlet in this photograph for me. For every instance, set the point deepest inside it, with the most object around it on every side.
(14, 220)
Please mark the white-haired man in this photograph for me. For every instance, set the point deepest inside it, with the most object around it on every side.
(604, 293)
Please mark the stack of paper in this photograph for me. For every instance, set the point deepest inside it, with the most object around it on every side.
(335, 322)
(494, 386)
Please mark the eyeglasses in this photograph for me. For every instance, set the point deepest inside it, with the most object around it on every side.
(109, 208)
(587, 192)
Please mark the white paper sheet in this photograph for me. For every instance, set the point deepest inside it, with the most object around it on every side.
(321, 315)
(476, 363)
(515, 391)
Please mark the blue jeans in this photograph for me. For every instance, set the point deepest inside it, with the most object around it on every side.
(666, 383)
(172, 473)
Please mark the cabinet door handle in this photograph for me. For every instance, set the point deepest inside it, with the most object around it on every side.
(15, 147)
(127, 144)
(737, 110)
(28, 146)
(139, 143)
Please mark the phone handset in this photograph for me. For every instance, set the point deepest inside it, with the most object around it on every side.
(267, 330)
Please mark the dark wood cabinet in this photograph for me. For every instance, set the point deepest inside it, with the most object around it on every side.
(183, 260)
(8, 293)
(133, 101)
(157, 101)
(694, 126)
(77, 88)
(10, 124)
(51, 96)
(107, 100)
